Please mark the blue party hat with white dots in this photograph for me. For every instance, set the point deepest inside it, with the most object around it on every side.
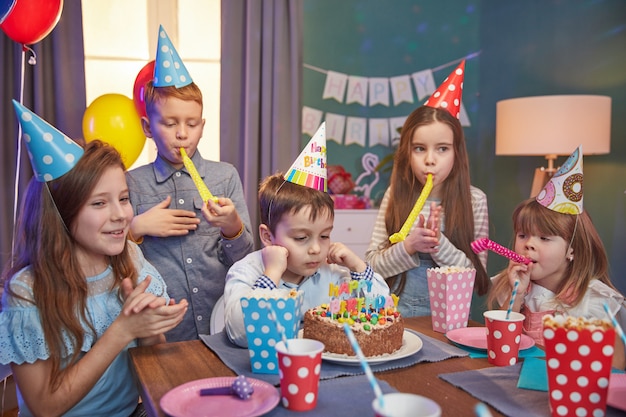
(52, 154)
(169, 69)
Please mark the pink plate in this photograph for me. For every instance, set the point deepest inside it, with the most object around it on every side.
(476, 338)
(185, 399)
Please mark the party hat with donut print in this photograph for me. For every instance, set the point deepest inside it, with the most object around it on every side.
(310, 167)
(564, 192)
(448, 94)
(52, 154)
(169, 69)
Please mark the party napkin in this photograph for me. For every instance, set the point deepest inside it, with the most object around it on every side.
(533, 375)
(617, 391)
(533, 352)
(337, 398)
(238, 359)
(497, 386)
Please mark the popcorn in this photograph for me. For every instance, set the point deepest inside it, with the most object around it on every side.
(579, 354)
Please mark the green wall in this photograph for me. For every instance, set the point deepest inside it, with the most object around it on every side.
(520, 48)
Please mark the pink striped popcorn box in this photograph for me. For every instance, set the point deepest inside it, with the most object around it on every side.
(450, 291)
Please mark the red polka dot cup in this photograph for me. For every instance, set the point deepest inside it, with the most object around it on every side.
(579, 368)
(503, 336)
(299, 367)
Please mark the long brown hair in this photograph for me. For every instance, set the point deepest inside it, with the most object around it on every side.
(589, 261)
(456, 196)
(60, 288)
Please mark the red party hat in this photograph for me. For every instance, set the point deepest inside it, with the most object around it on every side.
(448, 95)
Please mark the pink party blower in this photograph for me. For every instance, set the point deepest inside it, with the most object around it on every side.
(483, 244)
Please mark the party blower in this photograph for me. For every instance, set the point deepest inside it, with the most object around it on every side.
(205, 194)
(483, 244)
(240, 387)
(415, 211)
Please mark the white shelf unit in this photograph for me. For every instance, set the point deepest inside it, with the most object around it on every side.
(354, 228)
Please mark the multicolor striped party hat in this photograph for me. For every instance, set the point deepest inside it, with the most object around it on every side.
(169, 69)
(564, 192)
(309, 169)
(448, 95)
(52, 154)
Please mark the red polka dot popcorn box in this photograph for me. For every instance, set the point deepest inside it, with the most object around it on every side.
(450, 291)
(262, 327)
(579, 353)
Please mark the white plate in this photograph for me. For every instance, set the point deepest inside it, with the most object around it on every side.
(411, 343)
(476, 338)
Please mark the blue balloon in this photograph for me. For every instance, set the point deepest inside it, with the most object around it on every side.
(5, 8)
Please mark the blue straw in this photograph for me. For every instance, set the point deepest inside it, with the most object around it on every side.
(280, 328)
(618, 328)
(513, 294)
(482, 410)
(365, 365)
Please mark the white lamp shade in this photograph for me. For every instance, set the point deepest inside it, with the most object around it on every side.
(553, 125)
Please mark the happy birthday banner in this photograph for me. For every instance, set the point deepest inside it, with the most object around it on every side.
(348, 130)
(371, 91)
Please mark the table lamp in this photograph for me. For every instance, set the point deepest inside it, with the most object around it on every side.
(553, 126)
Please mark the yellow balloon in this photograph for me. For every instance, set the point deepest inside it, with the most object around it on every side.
(113, 118)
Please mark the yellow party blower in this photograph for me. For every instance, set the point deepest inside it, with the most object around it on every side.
(419, 204)
(205, 194)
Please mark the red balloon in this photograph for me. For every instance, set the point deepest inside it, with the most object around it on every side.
(32, 20)
(146, 74)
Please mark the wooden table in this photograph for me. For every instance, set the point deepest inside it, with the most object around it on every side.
(162, 367)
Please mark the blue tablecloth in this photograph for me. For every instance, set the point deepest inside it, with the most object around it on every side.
(497, 386)
(345, 396)
(238, 359)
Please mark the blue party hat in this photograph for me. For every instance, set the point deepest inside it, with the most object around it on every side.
(169, 69)
(52, 154)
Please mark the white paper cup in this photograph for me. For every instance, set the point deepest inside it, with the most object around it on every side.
(402, 404)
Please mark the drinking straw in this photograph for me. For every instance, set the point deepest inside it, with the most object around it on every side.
(365, 365)
(485, 243)
(513, 294)
(280, 328)
(618, 328)
(482, 410)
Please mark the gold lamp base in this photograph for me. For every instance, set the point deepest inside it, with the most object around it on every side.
(541, 178)
(543, 175)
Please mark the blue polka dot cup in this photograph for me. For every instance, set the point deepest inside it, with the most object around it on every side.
(262, 330)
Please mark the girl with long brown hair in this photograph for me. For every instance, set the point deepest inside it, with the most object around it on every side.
(78, 294)
(455, 213)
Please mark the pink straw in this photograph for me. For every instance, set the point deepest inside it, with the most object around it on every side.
(483, 244)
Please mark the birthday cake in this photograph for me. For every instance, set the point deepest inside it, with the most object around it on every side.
(375, 322)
